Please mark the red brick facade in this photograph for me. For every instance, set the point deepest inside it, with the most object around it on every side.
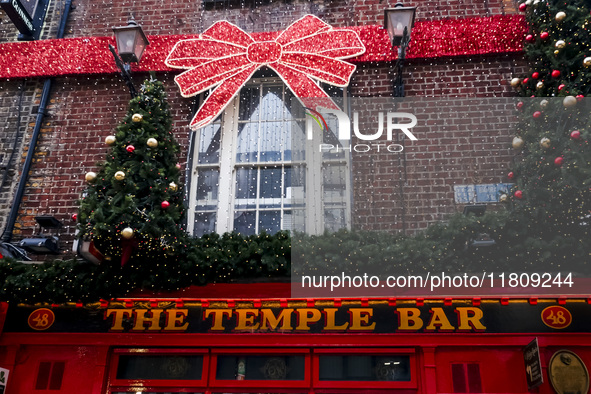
(83, 110)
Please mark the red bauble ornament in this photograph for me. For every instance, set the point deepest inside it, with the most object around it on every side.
(525, 80)
(537, 114)
(522, 7)
(520, 105)
(544, 35)
(75, 217)
(579, 97)
(518, 194)
(561, 86)
(164, 204)
(558, 161)
(130, 148)
(575, 135)
(529, 38)
(178, 166)
(555, 74)
(511, 175)
(535, 75)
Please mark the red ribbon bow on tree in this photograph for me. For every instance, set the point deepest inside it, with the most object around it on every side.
(225, 56)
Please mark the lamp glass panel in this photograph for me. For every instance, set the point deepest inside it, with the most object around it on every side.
(140, 45)
(125, 41)
(397, 21)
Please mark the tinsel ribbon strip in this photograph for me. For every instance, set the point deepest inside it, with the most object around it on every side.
(430, 39)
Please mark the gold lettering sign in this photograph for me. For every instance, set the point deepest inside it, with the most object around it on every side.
(297, 320)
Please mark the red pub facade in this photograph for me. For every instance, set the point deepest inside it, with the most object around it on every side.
(283, 345)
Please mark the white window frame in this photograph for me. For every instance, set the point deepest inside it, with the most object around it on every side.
(227, 183)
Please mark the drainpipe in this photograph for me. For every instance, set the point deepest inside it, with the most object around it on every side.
(7, 234)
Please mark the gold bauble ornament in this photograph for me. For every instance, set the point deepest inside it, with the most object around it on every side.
(544, 104)
(569, 101)
(127, 233)
(560, 16)
(556, 52)
(504, 198)
(518, 143)
(560, 44)
(90, 176)
(515, 82)
(173, 186)
(137, 117)
(587, 62)
(545, 143)
(120, 175)
(539, 85)
(110, 140)
(152, 142)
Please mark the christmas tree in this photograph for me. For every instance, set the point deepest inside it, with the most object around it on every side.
(552, 173)
(133, 207)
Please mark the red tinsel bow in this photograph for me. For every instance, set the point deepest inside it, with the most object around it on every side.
(225, 56)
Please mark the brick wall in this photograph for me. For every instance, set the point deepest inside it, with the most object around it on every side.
(16, 117)
(84, 110)
(410, 190)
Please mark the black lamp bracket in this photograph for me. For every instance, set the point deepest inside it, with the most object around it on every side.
(125, 72)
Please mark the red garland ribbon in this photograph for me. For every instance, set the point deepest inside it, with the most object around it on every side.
(90, 55)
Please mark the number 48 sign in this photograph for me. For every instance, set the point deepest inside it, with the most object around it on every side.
(41, 319)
